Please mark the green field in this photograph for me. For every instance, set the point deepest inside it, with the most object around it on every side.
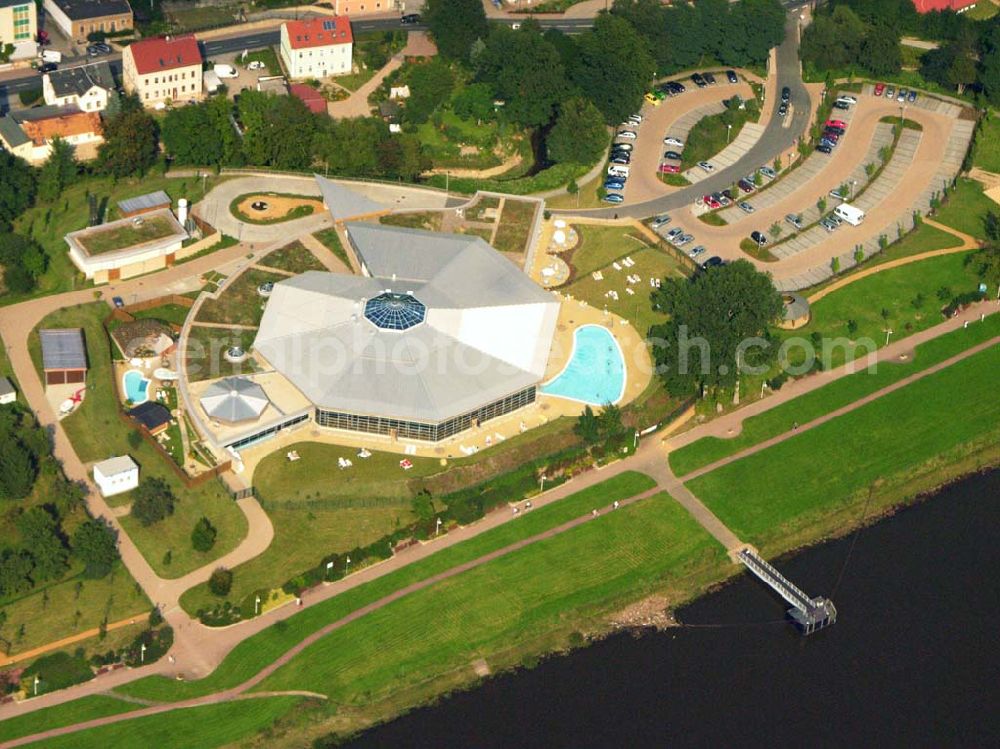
(238, 303)
(986, 151)
(551, 586)
(49, 223)
(173, 314)
(600, 246)
(829, 398)
(791, 487)
(908, 294)
(294, 258)
(97, 433)
(965, 208)
(204, 727)
(85, 708)
(254, 653)
(110, 240)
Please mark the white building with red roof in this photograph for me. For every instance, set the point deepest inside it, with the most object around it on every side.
(163, 70)
(317, 47)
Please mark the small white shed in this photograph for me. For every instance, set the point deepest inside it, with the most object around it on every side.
(116, 475)
(7, 392)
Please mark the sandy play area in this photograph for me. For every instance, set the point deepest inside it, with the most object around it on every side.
(274, 207)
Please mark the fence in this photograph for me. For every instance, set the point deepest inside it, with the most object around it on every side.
(189, 481)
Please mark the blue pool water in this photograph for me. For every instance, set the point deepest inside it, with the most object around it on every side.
(595, 373)
(135, 386)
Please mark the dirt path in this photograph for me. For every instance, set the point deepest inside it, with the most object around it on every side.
(78, 637)
(509, 163)
(968, 243)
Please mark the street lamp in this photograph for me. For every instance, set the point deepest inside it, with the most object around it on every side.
(853, 183)
(438, 529)
(888, 333)
(541, 487)
(256, 600)
(347, 567)
(142, 653)
(762, 386)
(728, 129)
(37, 679)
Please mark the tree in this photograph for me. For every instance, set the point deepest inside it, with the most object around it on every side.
(18, 469)
(455, 25)
(880, 53)
(17, 187)
(15, 571)
(130, 145)
(588, 426)
(95, 544)
(833, 40)
(42, 537)
(614, 67)
(775, 230)
(821, 204)
(203, 535)
(403, 156)
(525, 71)
(221, 581)
(987, 265)
(17, 250)
(153, 501)
(58, 171)
(431, 84)
(278, 130)
(474, 102)
(719, 323)
(190, 136)
(991, 225)
(579, 135)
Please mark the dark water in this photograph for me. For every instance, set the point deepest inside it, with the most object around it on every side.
(914, 659)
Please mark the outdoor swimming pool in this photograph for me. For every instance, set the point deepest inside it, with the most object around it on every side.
(595, 373)
(136, 386)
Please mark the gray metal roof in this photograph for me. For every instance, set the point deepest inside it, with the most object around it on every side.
(343, 203)
(81, 9)
(12, 133)
(79, 80)
(63, 348)
(43, 113)
(234, 399)
(486, 333)
(141, 202)
(6, 388)
(115, 466)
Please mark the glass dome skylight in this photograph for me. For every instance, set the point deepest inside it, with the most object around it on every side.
(391, 311)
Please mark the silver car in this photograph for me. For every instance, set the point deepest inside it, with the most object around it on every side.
(662, 220)
(706, 166)
(746, 207)
(683, 239)
(696, 251)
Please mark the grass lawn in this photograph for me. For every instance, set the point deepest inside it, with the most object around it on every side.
(586, 197)
(48, 223)
(965, 208)
(986, 151)
(294, 257)
(601, 245)
(194, 19)
(712, 219)
(266, 56)
(788, 487)
(925, 238)
(153, 227)
(239, 303)
(329, 239)
(205, 727)
(444, 143)
(710, 135)
(256, 652)
(982, 11)
(898, 292)
(550, 587)
(174, 314)
(97, 433)
(205, 349)
(515, 221)
(85, 708)
(812, 405)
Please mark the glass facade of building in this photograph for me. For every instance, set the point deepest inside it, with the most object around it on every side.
(265, 434)
(425, 431)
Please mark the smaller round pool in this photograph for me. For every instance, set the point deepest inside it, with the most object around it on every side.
(595, 373)
(136, 386)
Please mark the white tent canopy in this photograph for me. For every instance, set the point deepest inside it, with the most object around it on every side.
(234, 399)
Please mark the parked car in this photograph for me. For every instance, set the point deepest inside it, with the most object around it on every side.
(890, 92)
(662, 220)
(768, 172)
(713, 262)
(94, 51)
(225, 71)
(653, 99)
(746, 186)
(672, 155)
(706, 166)
(614, 197)
(614, 184)
(746, 207)
(901, 96)
(795, 219)
(912, 96)
(711, 202)
(731, 76)
(827, 143)
(621, 158)
(847, 99)
(118, 302)
(47, 67)
(721, 199)
(836, 193)
(835, 123)
(627, 134)
(841, 105)
(837, 131)
(671, 141)
(255, 65)
(828, 225)
(824, 148)
(698, 81)
(879, 89)
(622, 146)
(670, 169)
(786, 94)
(758, 238)
(783, 109)
(677, 87)
(696, 251)
(410, 18)
(708, 78)
(728, 195)
(683, 239)
(636, 118)
(674, 233)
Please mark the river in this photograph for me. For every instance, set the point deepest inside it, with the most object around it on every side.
(913, 660)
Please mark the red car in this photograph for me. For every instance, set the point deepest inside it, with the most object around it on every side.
(669, 169)
(836, 123)
(879, 88)
(711, 202)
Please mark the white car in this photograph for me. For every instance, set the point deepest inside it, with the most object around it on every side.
(627, 134)
(226, 71)
(847, 99)
(256, 65)
(671, 141)
(706, 166)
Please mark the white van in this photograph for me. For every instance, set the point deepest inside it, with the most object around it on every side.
(51, 55)
(618, 170)
(850, 214)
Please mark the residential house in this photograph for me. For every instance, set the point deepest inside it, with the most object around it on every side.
(317, 47)
(77, 19)
(163, 70)
(372, 7)
(87, 87)
(29, 133)
(19, 26)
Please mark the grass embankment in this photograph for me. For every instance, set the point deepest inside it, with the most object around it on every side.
(516, 221)
(307, 207)
(96, 433)
(329, 239)
(829, 398)
(294, 258)
(255, 652)
(986, 151)
(206, 727)
(67, 714)
(238, 302)
(966, 208)
(816, 482)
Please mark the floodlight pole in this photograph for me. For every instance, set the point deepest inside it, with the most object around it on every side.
(347, 567)
(888, 333)
(142, 653)
(256, 605)
(437, 530)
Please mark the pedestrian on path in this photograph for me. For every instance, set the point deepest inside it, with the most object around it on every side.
(795, 425)
(615, 505)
